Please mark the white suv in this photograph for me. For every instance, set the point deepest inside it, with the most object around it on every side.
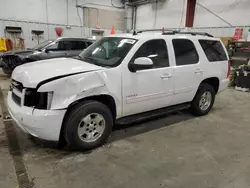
(120, 78)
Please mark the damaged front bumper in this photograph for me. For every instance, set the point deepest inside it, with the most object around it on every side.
(44, 124)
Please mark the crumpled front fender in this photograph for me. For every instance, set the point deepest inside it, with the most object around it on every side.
(70, 89)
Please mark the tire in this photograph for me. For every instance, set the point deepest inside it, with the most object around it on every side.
(84, 121)
(199, 105)
(6, 69)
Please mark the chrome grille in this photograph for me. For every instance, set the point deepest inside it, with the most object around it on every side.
(16, 99)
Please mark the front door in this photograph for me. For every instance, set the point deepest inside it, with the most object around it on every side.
(55, 50)
(149, 89)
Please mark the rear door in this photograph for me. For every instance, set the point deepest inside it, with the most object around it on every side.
(216, 60)
(188, 72)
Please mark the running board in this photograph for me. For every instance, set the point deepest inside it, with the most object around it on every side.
(152, 114)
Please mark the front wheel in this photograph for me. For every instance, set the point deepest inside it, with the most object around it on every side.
(203, 100)
(88, 125)
(6, 69)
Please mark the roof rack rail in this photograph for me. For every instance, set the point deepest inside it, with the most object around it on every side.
(172, 32)
(191, 33)
(148, 30)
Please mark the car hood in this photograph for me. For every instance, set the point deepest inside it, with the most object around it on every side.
(30, 75)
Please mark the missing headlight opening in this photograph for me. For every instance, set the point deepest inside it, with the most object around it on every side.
(36, 99)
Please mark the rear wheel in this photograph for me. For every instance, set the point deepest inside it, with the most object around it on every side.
(203, 100)
(88, 125)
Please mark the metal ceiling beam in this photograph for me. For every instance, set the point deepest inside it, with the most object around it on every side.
(214, 14)
(190, 13)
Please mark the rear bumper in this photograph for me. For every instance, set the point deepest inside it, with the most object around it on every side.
(44, 124)
(223, 85)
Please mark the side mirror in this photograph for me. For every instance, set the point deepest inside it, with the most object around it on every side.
(46, 50)
(141, 63)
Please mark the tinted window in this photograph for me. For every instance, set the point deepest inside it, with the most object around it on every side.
(185, 52)
(156, 50)
(79, 45)
(213, 50)
(65, 45)
(71, 45)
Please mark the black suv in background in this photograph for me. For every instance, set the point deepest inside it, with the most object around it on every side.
(61, 47)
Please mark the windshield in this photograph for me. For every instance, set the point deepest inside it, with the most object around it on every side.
(42, 45)
(108, 52)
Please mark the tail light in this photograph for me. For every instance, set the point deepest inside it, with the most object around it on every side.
(229, 68)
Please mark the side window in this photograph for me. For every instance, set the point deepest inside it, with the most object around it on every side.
(53, 46)
(65, 45)
(213, 50)
(185, 52)
(156, 50)
(79, 45)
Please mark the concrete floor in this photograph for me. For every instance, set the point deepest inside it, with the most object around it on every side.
(174, 152)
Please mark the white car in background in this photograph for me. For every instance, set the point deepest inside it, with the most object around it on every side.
(120, 78)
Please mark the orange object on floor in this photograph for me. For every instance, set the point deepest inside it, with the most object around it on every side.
(112, 31)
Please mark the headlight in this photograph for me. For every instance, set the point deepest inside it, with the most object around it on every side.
(38, 100)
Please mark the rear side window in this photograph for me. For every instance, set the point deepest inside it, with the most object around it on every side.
(185, 52)
(213, 50)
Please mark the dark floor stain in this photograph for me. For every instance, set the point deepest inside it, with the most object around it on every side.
(14, 148)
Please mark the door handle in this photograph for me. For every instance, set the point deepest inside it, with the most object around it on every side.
(166, 76)
(198, 71)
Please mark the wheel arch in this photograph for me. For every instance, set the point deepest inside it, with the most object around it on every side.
(105, 99)
(213, 81)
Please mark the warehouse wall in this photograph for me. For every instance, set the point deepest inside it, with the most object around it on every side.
(34, 15)
(170, 14)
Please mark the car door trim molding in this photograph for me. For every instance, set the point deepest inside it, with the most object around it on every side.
(184, 90)
(141, 98)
